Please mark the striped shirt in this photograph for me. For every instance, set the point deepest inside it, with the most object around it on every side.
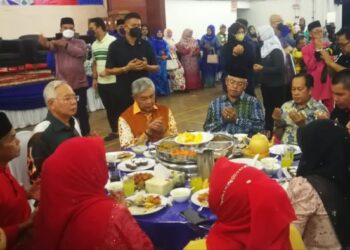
(99, 55)
(250, 115)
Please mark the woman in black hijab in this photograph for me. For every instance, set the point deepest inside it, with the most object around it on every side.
(237, 53)
(320, 193)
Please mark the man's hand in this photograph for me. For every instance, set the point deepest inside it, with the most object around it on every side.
(298, 118)
(238, 50)
(326, 56)
(156, 126)
(61, 43)
(348, 127)
(43, 41)
(94, 84)
(103, 73)
(277, 114)
(257, 67)
(229, 114)
(136, 64)
(321, 115)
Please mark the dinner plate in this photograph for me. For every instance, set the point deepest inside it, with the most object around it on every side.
(139, 211)
(194, 198)
(150, 164)
(206, 137)
(140, 172)
(149, 154)
(278, 149)
(249, 162)
(112, 157)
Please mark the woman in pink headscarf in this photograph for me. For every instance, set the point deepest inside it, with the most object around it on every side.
(177, 78)
(189, 50)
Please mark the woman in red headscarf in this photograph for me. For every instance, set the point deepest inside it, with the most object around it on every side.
(253, 211)
(74, 211)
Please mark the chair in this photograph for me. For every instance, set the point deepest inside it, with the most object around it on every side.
(33, 52)
(11, 53)
(18, 166)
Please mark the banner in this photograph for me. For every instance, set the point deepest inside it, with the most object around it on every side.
(234, 5)
(50, 2)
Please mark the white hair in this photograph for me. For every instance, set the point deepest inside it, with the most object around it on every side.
(140, 85)
(50, 89)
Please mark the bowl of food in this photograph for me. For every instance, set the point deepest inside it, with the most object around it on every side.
(180, 194)
(139, 149)
(272, 169)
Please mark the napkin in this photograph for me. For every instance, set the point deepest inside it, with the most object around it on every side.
(161, 171)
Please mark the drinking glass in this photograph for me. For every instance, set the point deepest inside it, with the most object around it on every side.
(128, 186)
(196, 183)
(288, 157)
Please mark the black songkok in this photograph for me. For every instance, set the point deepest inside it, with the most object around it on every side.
(5, 125)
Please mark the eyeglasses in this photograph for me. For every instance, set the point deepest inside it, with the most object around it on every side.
(68, 99)
(235, 82)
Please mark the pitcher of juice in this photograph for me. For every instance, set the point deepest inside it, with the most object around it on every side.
(288, 157)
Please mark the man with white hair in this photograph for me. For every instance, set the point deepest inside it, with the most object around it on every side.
(59, 124)
(145, 120)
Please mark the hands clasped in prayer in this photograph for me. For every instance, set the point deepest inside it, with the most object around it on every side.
(156, 126)
(229, 114)
(297, 117)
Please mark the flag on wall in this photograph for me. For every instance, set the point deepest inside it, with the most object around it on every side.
(51, 2)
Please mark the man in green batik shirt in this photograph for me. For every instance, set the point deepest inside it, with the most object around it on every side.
(298, 112)
(236, 111)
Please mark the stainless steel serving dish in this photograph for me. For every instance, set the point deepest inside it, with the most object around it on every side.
(168, 150)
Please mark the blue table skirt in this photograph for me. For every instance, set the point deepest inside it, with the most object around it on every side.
(169, 230)
(23, 97)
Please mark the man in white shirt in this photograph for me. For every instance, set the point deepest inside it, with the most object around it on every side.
(105, 85)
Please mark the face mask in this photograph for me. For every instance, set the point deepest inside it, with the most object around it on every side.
(239, 37)
(91, 33)
(135, 32)
(68, 34)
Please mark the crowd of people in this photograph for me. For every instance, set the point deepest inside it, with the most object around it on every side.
(306, 101)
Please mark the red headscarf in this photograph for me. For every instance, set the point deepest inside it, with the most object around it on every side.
(253, 213)
(73, 180)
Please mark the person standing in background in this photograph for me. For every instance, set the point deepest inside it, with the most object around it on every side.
(189, 50)
(176, 76)
(316, 67)
(129, 58)
(107, 85)
(272, 74)
(70, 54)
(210, 45)
(160, 78)
(221, 36)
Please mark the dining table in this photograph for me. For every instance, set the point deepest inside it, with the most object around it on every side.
(168, 228)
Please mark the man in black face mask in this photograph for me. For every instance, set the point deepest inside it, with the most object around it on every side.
(129, 58)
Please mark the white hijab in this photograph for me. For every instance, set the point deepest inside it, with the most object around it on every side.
(271, 41)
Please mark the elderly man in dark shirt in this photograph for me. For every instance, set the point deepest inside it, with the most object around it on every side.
(59, 125)
(70, 55)
(341, 93)
(129, 58)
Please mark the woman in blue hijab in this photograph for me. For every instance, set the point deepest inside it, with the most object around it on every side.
(209, 44)
(162, 52)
